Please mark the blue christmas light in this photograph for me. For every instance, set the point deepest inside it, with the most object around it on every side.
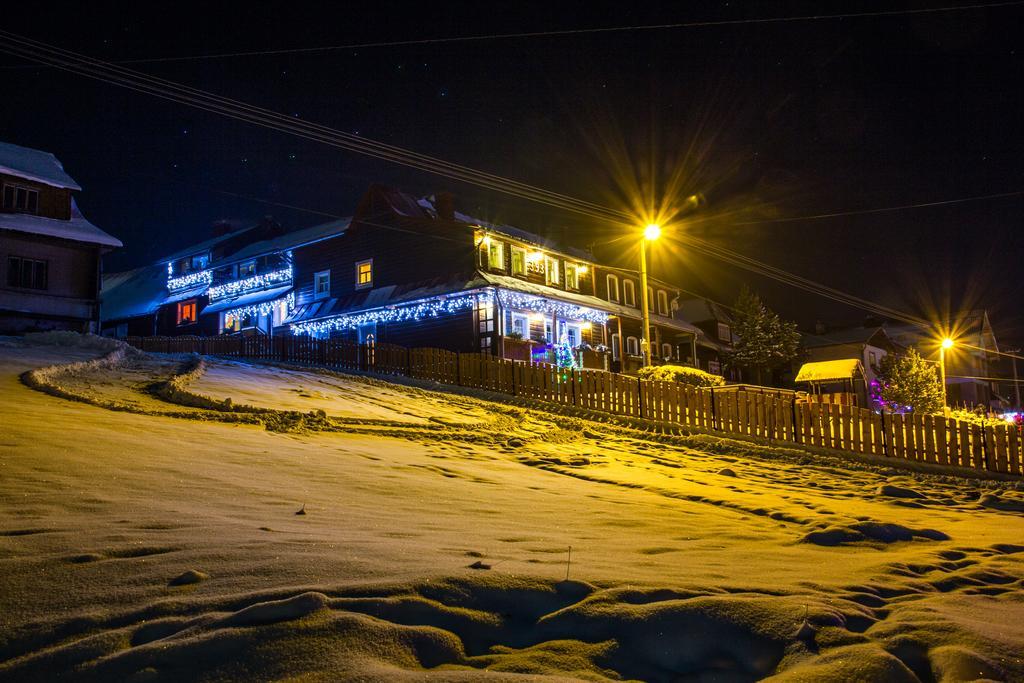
(255, 282)
(262, 308)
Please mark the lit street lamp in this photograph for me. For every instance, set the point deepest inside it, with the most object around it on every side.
(947, 343)
(651, 233)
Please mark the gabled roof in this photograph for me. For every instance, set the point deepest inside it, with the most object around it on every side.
(33, 164)
(288, 240)
(699, 309)
(852, 335)
(830, 370)
(77, 228)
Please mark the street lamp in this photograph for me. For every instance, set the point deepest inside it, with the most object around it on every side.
(651, 233)
(947, 343)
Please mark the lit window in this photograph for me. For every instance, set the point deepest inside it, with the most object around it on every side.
(724, 334)
(199, 261)
(25, 272)
(496, 255)
(551, 271)
(247, 269)
(231, 323)
(662, 302)
(632, 346)
(518, 261)
(613, 288)
(572, 276)
(628, 293)
(521, 325)
(187, 312)
(364, 274)
(322, 284)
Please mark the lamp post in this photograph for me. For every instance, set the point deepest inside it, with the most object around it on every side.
(947, 343)
(651, 233)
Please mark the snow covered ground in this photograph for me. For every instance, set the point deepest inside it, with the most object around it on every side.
(145, 540)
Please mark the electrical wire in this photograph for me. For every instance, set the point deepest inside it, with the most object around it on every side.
(169, 90)
(567, 32)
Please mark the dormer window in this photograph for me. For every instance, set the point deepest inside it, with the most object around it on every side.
(572, 276)
(496, 255)
(551, 271)
(613, 288)
(21, 199)
(628, 293)
(518, 261)
(724, 333)
(662, 302)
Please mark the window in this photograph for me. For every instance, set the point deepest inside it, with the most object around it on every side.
(364, 274)
(21, 199)
(26, 272)
(666, 351)
(247, 269)
(520, 325)
(547, 331)
(551, 271)
(322, 284)
(518, 261)
(724, 333)
(616, 347)
(200, 261)
(187, 312)
(496, 255)
(230, 323)
(632, 346)
(573, 335)
(628, 293)
(714, 367)
(613, 288)
(872, 359)
(572, 276)
(662, 302)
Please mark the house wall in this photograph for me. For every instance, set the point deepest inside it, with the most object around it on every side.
(167, 321)
(54, 202)
(414, 251)
(70, 298)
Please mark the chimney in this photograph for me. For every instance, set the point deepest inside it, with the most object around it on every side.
(444, 203)
(819, 327)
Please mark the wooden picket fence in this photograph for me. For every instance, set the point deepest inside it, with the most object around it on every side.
(747, 411)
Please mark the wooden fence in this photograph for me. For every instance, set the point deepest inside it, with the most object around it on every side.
(748, 411)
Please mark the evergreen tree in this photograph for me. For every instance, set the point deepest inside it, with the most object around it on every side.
(764, 341)
(909, 383)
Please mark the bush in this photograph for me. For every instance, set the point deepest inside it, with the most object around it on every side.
(682, 374)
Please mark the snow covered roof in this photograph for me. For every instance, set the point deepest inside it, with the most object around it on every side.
(139, 292)
(428, 203)
(830, 370)
(248, 299)
(33, 164)
(289, 240)
(698, 310)
(204, 246)
(77, 229)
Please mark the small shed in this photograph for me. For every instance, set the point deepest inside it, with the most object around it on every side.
(830, 380)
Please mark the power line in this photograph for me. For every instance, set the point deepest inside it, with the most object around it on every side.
(206, 101)
(860, 212)
(566, 32)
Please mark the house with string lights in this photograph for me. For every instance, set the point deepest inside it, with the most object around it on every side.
(239, 281)
(416, 272)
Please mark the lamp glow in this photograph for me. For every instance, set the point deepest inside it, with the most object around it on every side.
(947, 343)
(652, 232)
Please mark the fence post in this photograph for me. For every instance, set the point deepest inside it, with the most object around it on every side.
(885, 441)
(640, 397)
(458, 369)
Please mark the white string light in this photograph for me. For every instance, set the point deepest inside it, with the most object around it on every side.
(262, 308)
(413, 310)
(560, 309)
(255, 282)
(200, 277)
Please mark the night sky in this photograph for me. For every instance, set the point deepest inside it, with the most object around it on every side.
(768, 121)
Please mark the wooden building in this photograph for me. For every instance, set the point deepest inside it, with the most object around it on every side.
(50, 255)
